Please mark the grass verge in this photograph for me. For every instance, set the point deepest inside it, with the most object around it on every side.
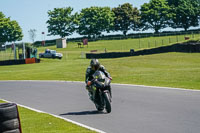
(180, 70)
(34, 122)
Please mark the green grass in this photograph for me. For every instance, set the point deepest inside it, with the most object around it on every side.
(113, 45)
(33, 122)
(127, 44)
(181, 70)
(169, 69)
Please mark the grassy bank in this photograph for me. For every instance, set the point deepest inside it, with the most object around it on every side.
(170, 70)
(181, 70)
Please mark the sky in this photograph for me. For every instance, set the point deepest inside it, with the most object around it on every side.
(32, 14)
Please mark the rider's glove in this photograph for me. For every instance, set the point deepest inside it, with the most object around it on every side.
(88, 86)
(89, 83)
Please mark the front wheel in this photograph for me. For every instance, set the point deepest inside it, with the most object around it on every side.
(107, 99)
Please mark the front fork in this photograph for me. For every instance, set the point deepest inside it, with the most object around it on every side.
(109, 94)
(93, 92)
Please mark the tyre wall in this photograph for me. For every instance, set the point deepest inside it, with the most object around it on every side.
(18, 62)
(186, 48)
(9, 118)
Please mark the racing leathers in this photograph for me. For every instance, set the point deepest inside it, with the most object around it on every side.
(90, 72)
(89, 77)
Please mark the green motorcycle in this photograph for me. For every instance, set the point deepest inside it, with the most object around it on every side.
(100, 92)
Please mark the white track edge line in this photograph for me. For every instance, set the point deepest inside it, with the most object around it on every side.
(68, 120)
(169, 88)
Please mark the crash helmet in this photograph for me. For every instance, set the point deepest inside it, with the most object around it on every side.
(95, 64)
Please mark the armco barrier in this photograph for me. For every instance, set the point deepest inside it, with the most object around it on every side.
(185, 47)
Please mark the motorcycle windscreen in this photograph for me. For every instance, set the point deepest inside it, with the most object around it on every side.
(100, 76)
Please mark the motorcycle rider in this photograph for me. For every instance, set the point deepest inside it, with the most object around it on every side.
(94, 66)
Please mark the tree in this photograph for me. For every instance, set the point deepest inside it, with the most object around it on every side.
(9, 30)
(2, 15)
(126, 18)
(187, 13)
(155, 15)
(32, 34)
(95, 20)
(61, 22)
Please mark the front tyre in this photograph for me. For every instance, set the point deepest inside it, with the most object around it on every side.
(107, 101)
(99, 105)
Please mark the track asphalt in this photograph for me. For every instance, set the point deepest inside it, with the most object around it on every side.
(135, 109)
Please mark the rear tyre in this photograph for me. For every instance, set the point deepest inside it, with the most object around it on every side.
(99, 108)
(107, 102)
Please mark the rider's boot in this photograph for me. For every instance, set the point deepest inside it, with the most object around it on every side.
(90, 96)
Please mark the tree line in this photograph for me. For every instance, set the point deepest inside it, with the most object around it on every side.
(155, 15)
(9, 30)
(93, 21)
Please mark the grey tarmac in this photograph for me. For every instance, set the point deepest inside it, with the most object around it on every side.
(135, 109)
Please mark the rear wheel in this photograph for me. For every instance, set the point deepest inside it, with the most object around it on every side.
(99, 104)
(107, 101)
(99, 108)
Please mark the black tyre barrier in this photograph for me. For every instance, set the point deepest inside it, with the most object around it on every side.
(187, 48)
(13, 131)
(9, 118)
(9, 125)
(12, 62)
(16, 62)
(7, 111)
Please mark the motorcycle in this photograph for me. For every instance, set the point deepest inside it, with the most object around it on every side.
(100, 92)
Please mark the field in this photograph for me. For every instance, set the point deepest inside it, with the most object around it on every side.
(169, 69)
(112, 45)
(180, 70)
